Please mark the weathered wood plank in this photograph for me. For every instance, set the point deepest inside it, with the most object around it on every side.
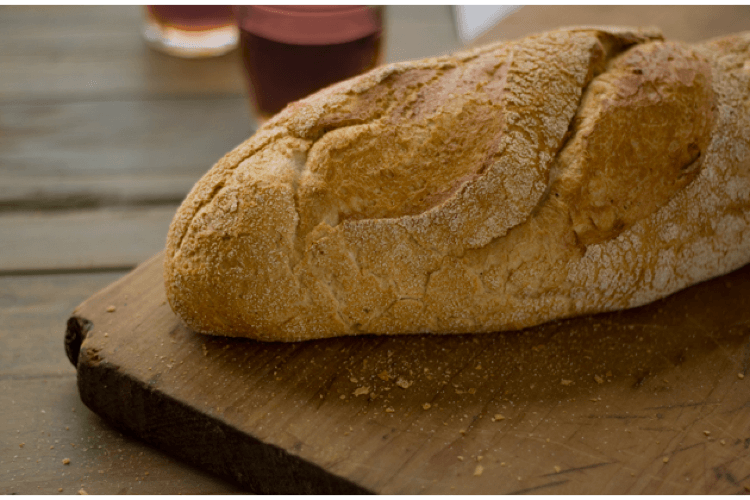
(40, 407)
(32, 308)
(97, 52)
(89, 53)
(22, 194)
(47, 417)
(614, 403)
(119, 138)
(106, 238)
(418, 31)
(690, 23)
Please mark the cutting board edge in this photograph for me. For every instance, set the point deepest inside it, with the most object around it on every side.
(100, 384)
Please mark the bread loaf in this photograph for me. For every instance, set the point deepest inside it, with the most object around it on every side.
(571, 172)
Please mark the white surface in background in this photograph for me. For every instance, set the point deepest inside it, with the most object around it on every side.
(473, 20)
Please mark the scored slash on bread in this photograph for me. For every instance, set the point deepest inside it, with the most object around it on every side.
(576, 171)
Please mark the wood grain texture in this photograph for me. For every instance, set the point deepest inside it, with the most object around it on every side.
(32, 309)
(96, 52)
(82, 52)
(41, 408)
(614, 403)
(689, 23)
(83, 239)
(85, 154)
(90, 117)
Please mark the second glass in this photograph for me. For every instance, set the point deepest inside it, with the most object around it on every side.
(290, 52)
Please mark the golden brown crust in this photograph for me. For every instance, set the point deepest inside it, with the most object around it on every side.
(570, 172)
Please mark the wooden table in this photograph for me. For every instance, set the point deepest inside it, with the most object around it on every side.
(100, 139)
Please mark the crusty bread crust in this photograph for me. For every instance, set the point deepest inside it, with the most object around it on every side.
(571, 172)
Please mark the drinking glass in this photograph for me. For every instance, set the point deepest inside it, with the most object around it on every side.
(289, 52)
(190, 30)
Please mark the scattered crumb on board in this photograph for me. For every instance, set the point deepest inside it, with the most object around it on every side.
(361, 391)
(111, 309)
(403, 383)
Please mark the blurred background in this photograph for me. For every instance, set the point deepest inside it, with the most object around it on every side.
(101, 137)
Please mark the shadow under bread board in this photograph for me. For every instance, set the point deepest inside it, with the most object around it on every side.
(651, 400)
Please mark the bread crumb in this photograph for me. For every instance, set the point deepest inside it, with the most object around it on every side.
(111, 309)
(361, 391)
(707, 433)
(106, 334)
(146, 473)
(498, 417)
(66, 461)
(665, 459)
(82, 492)
(389, 410)
(343, 396)
(741, 376)
(353, 380)
(479, 458)
(460, 458)
(384, 376)
(478, 471)
(462, 432)
(502, 464)
(21, 445)
(598, 379)
(557, 469)
(52, 447)
(723, 442)
(566, 382)
(426, 406)
(403, 383)
(59, 490)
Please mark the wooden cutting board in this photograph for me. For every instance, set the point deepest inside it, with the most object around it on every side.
(651, 400)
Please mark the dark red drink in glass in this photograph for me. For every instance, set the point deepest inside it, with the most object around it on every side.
(290, 52)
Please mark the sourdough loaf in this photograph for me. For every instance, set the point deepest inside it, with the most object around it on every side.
(571, 172)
